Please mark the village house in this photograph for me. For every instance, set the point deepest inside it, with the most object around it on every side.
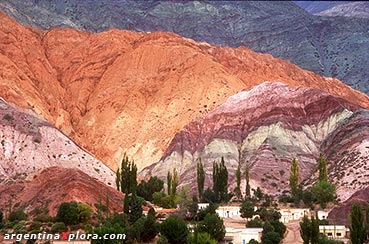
(242, 235)
(322, 215)
(334, 231)
(292, 214)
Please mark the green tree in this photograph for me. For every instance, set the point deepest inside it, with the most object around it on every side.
(147, 189)
(108, 228)
(271, 238)
(200, 178)
(314, 230)
(17, 215)
(247, 209)
(324, 192)
(150, 226)
(84, 212)
(220, 181)
(267, 227)
(175, 182)
(279, 227)
(68, 213)
(322, 166)
(201, 238)
(169, 183)
(237, 190)
(305, 230)
(213, 225)
(175, 230)
(248, 188)
(294, 177)
(132, 207)
(357, 225)
(117, 179)
(1, 219)
(128, 176)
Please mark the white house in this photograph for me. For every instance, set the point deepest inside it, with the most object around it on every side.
(242, 236)
(202, 206)
(333, 231)
(292, 214)
(228, 211)
(322, 214)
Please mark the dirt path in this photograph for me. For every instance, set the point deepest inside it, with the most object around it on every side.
(292, 233)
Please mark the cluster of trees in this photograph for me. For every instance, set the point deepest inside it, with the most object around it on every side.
(322, 192)
(359, 224)
(219, 192)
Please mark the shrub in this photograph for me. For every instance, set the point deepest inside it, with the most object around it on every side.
(58, 227)
(17, 215)
(175, 230)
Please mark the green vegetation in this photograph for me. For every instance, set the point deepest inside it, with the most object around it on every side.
(72, 213)
(200, 178)
(358, 229)
(294, 177)
(147, 189)
(214, 226)
(237, 190)
(220, 181)
(17, 215)
(323, 191)
(247, 176)
(175, 230)
(200, 238)
(126, 177)
(247, 209)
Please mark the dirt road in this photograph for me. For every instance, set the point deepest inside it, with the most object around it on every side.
(292, 233)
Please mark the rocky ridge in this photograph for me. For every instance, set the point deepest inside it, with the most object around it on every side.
(329, 46)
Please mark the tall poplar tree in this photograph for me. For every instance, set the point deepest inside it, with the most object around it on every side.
(357, 225)
(220, 181)
(127, 176)
(248, 188)
(169, 183)
(237, 190)
(322, 166)
(294, 177)
(200, 178)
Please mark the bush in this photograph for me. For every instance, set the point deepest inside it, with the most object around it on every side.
(175, 230)
(18, 215)
(43, 218)
(213, 225)
(253, 241)
(202, 238)
(254, 223)
(271, 238)
(58, 227)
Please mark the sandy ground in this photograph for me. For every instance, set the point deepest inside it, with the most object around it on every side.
(293, 233)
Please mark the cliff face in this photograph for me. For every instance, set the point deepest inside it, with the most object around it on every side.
(122, 91)
(265, 128)
(329, 46)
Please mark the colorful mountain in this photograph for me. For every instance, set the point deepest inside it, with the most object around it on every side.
(329, 46)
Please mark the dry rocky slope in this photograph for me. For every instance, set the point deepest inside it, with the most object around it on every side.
(55, 185)
(353, 9)
(29, 145)
(122, 91)
(267, 126)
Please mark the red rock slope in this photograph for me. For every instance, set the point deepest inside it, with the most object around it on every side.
(120, 91)
(55, 185)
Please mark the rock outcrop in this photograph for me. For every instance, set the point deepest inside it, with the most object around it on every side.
(352, 10)
(55, 185)
(329, 46)
(265, 128)
(122, 91)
